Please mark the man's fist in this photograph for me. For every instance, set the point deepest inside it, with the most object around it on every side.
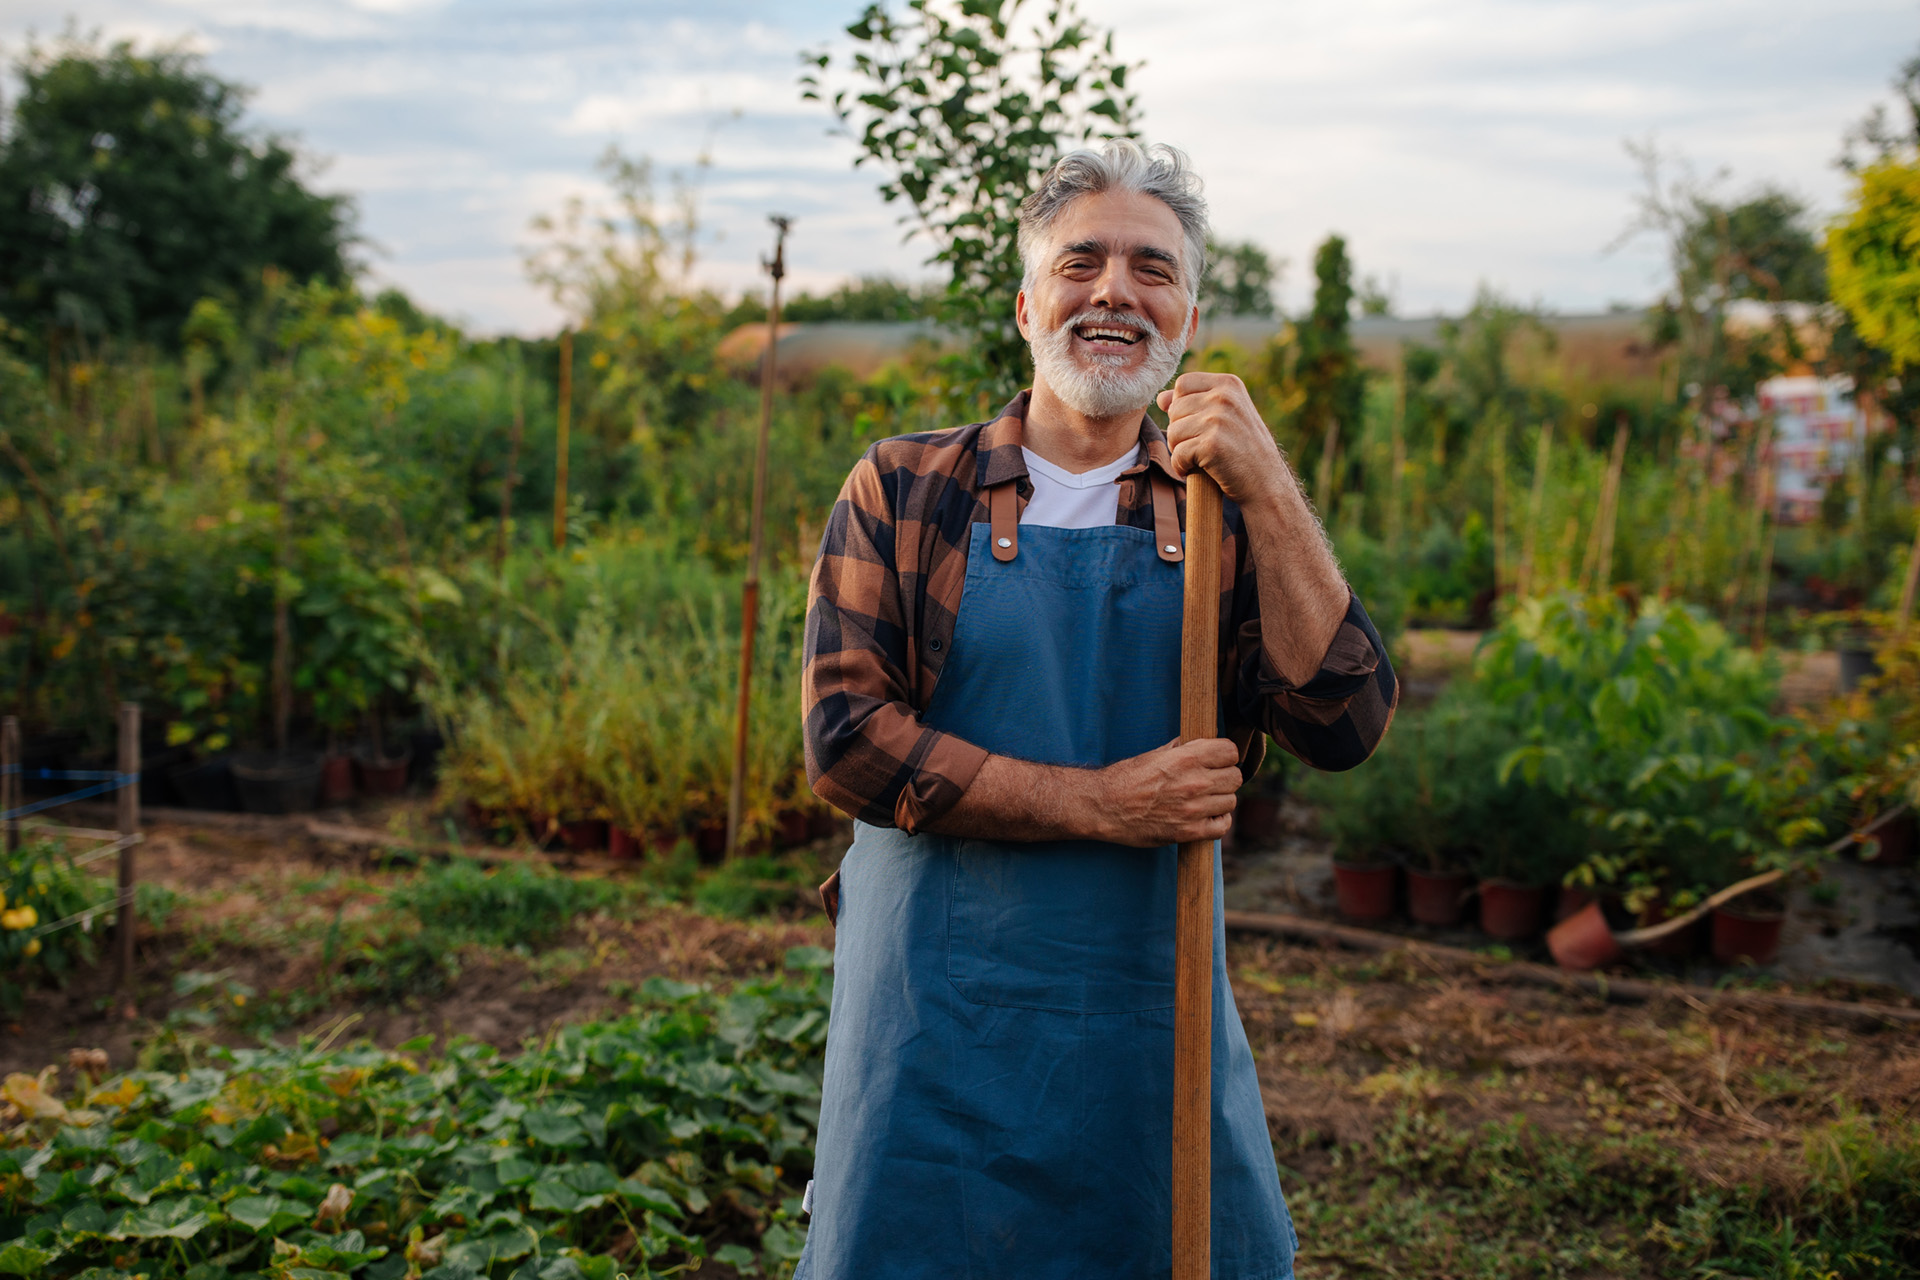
(1212, 426)
(1184, 791)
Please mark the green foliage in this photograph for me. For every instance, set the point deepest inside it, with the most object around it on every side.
(964, 111)
(1873, 257)
(870, 298)
(1326, 368)
(511, 906)
(630, 1146)
(1239, 281)
(129, 190)
(43, 888)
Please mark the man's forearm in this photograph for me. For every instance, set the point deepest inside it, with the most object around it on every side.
(1013, 799)
(1303, 596)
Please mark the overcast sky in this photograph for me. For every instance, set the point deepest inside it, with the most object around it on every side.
(1454, 143)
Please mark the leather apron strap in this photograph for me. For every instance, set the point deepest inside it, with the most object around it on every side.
(1166, 518)
(1003, 518)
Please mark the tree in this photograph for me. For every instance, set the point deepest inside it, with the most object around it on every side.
(964, 110)
(129, 190)
(1239, 280)
(1326, 369)
(1873, 258)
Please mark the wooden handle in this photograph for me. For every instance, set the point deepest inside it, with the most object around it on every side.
(1655, 932)
(1193, 922)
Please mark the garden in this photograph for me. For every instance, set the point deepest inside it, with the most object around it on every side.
(442, 967)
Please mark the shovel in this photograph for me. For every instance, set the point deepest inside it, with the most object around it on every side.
(1193, 910)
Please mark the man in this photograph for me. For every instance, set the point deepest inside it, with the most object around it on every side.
(991, 688)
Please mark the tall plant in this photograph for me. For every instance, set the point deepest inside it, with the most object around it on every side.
(965, 105)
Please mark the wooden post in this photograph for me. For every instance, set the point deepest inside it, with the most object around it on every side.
(1908, 588)
(10, 789)
(1193, 922)
(561, 438)
(129, 825)
(750, 594)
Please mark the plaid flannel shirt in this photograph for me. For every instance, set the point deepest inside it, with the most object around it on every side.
(886, 592)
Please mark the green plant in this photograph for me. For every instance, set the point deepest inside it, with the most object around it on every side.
(636, 1146)
(43, 889)
(514, 905)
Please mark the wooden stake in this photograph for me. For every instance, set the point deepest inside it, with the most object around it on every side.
(1499, 459)
(1193, 920)
(1603, 566)
(750, 594)
(129, 824)
(10, 778)
(510, 478)
(1907, 589)
(562, 432)
(1542, 455)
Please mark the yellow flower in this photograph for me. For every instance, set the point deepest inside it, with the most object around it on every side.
(11, 920)
(29, 916)
(32, 948)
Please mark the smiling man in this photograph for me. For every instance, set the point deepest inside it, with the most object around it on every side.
(991, 690)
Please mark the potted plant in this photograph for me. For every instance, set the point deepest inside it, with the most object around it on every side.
(1368, 813)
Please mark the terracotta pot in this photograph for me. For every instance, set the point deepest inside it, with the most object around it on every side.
(1511, 912)
(379, 776)
(1256, 819)
(1893, 837)
(336, 780)
(1583, 940)
(791, 828)
(1437, 898)
(1747, 930)
(624, 845)
(583, 835)
(1364, 892)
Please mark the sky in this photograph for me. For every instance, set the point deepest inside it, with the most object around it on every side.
(1456, 144)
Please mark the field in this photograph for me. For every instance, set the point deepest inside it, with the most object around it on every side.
(1428, 1121)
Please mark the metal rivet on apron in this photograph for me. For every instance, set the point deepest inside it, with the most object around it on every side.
(1171, 549)
(1006, 542)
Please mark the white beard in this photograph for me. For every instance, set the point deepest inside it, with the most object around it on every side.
(1098, 384)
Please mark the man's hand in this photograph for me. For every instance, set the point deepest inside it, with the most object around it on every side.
(1184, 791)
(1181, 792)
(1212, 426)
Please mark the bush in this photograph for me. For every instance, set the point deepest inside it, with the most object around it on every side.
(511, 906)
(42, 888)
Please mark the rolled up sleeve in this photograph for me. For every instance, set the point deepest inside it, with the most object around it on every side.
(1333, 721)
(868, 754)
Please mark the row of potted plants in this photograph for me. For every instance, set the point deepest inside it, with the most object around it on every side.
(1616, 750)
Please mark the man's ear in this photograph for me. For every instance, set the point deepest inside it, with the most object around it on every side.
(1193, 327)
(1020, 315)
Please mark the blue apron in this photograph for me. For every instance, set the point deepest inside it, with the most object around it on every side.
(999, 1069)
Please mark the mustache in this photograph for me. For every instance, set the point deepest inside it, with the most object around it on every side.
(1107, 319)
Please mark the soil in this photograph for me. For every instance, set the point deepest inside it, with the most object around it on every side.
(1340, 1038)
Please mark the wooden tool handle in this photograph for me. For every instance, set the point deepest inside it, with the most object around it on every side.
(1193, 923)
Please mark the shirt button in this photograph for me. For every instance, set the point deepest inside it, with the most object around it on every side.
(934, 644)
(1006, 542)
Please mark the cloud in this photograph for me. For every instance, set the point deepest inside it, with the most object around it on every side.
(1454, 142)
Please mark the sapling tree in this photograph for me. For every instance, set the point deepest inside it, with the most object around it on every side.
(964, 105)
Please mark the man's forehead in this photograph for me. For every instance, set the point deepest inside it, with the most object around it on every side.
(1118, 222)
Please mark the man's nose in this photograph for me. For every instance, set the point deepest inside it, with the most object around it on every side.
(1113, 289)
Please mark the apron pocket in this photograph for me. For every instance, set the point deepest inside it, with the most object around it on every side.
(1065, 926)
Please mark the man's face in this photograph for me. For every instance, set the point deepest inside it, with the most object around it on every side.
(1110, 309)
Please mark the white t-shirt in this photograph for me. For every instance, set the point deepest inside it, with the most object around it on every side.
(1063, 500)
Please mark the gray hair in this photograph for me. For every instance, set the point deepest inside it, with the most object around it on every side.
(1122, 164)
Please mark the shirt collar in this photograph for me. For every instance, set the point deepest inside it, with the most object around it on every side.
(1001, 439)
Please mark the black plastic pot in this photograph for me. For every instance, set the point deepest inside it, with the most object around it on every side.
(157, 768)
(425, 745)
(1856, 663)
(207, 785)
(270, 783)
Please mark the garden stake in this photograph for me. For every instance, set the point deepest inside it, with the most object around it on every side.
(1193, 910)
(10, 778)
(560, 444)
(750, 594)
(129, 825)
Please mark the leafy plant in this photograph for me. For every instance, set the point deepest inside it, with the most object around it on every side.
(43, 888)
(633, 1146)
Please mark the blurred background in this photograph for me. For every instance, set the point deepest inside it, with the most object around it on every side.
(379, 390)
